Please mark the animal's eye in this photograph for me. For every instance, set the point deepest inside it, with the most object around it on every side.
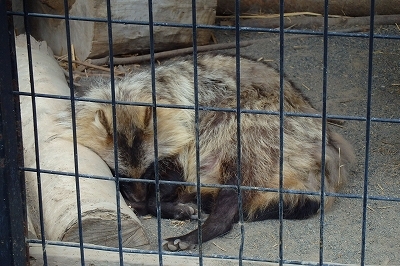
(130, 141)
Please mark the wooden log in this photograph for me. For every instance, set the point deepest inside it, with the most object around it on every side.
(59, 198)
(31, 227)
(338, 7)
(302, 22)
(91, 39)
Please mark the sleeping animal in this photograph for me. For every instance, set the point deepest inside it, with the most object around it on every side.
(217, 146)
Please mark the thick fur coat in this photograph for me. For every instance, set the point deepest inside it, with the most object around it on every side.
(176, 142)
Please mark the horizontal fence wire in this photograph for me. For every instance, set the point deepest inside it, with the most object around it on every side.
(216, 109)
(197, 108)
(211, 27)
(177, 254)
(242, 187)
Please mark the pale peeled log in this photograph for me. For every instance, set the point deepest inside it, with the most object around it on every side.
(97, 197)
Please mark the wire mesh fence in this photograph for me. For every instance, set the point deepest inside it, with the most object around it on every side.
(352, 78)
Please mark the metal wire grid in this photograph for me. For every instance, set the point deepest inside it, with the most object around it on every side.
(368, 119)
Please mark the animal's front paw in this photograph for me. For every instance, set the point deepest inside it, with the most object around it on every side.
(175, 244)
(184, 212)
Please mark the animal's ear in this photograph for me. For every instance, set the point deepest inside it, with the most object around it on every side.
(147, 118)
(142, 115)
(101, 121)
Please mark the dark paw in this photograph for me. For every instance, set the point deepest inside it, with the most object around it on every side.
(175, 244)
(185, 212)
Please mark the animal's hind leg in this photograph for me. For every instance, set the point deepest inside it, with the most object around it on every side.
(303, 208)
(223, 215)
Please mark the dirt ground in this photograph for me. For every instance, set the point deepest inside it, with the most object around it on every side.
(347, 95)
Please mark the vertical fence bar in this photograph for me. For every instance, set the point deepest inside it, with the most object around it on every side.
(115, 134)
(238, 130)
(35, 129)
(367, 131)
(154, 112)
(73, 122)
(197, 134)
(281, 119)
(13, 249)
(323, 150)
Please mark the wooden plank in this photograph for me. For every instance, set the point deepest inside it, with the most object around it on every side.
(338, 7)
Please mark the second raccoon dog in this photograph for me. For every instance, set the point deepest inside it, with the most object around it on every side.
(302, 138)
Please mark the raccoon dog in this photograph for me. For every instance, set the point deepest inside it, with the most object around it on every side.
(218, 153)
